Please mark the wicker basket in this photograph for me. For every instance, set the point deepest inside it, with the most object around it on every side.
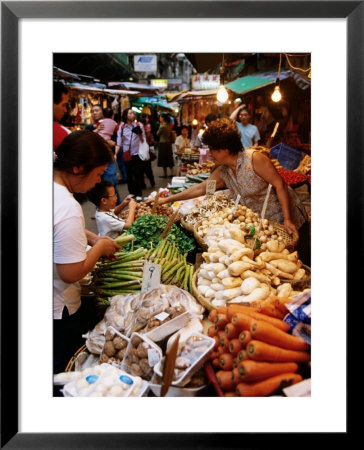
(200, 298)
(71, 363)
(198, 238)
(290, 241)
(186, 225)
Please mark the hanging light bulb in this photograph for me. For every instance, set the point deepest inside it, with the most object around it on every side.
(222, 94)
(276, 96)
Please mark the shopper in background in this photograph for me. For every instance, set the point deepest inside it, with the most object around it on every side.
(81, 159)
(166, 138)
(60, 103)
(199, 145)
(129, 135)
(147, 165)
(182, 140)
(249, 133)
(105, 127)
(248, 172)
(108, 222)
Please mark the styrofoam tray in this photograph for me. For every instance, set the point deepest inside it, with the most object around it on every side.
(185, 377)
(168, 328)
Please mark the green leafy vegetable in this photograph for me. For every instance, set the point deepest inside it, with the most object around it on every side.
(148, 228)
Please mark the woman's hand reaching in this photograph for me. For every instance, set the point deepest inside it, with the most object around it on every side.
(290, 226)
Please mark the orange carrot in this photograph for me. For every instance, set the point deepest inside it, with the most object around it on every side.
(235, 362)
(248, 311)
(211, 331)
(261, 351)
(268, 386)
(225, 380)
(221, 335)
(245, 337)
(220, 350)
(214, 354)
(216, 363)
(230, 394)
(226, 361)
(270, 334)
(250, 370)
(235, 346)
(212, 315)
(231, 331)
(242, 321)
(221, 309)
(236, 376)
(242, 355)
(224, 343)
(279, 303)
(270, 310)
(221, 321)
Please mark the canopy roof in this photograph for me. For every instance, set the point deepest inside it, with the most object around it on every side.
(256, 81)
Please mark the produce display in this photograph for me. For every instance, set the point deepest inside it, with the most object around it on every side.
(190, 180)
(114, 348)
(196, 168)
(175, 268)
(208, 207)
(292, 177)
(254, 354)
(147, 231)
(143, 208)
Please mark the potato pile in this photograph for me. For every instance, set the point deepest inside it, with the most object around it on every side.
(195, 169)
(137, 360)
(114, 347)
(143, 208)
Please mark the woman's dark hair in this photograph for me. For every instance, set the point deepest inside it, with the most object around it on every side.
(98, 192)
(58, 89)
(223, 134)
(210, 117)
(82, 148)
(124, 116)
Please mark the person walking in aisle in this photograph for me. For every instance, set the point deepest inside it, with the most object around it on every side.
(165, 153)
(129, 135)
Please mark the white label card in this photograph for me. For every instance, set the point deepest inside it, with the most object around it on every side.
(153, 357)
(210, 187)
(161, 316)
(236, 203)
(151, 276)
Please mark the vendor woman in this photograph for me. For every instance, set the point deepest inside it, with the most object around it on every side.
(79, 162)
(248, 172)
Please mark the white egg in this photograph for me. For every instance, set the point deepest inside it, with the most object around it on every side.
(100, 387)
(85, 392)
(108, 380)
(96, 394)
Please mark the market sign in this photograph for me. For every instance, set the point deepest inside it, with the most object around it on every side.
(160, 83)
(207, 81)
(145, 63)
(174, 82)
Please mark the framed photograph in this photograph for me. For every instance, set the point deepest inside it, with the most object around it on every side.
(332, 31)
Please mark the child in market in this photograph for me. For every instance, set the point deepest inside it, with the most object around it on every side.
(108, 222)
(106, 126)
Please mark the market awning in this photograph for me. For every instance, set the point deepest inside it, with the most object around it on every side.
(252, 82)
(153, 101)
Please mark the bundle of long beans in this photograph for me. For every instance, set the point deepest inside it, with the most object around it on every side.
(175, 268)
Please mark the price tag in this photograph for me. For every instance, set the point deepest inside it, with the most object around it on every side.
(161, 316)
(236, 203)
(153, 357)
(151, 276)
(210, 187)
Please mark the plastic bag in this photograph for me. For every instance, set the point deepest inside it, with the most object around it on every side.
(144, 151)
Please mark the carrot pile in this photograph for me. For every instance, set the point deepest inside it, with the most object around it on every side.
(254, 353)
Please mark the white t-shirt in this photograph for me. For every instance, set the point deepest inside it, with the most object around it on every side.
(182, 142)
(69, 246)
(249, 134)
(108, 223)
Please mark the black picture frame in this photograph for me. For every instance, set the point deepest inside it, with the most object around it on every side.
(11, 13)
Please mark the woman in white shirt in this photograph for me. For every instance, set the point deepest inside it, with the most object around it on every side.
(80, 160)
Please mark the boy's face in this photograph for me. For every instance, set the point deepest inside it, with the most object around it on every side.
(109, 201)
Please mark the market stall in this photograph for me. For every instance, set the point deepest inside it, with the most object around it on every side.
(206, 298)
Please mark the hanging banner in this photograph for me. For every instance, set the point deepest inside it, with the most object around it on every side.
(145, 63)
(207, 81)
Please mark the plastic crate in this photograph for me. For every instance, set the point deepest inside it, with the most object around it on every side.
(288, 157)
